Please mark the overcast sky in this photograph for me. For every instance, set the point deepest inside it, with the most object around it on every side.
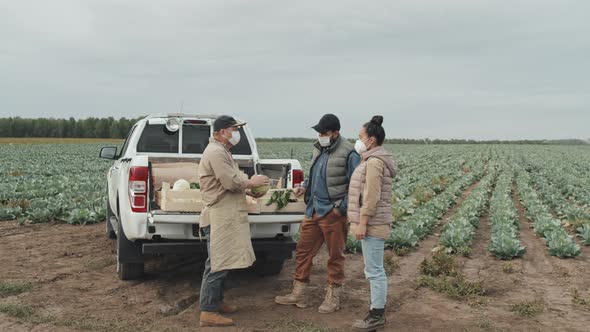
(444, 69)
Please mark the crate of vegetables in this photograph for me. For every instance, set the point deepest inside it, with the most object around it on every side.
(182, 197)
(281, 201)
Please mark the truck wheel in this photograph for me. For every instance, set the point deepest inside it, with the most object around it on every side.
(130, 271)
(127, 271)
(266, 267)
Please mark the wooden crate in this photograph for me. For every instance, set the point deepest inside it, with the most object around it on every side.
(292, 207)
(253, 205)
(191, 200)
(179, 201)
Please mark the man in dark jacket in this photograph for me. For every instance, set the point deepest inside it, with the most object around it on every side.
(326, 194)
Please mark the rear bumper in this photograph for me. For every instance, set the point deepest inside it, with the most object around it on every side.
(180, 227)
(271, 249)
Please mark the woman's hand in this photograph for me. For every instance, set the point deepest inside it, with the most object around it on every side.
(360, 231)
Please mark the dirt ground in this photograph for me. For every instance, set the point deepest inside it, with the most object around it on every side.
(75, 287)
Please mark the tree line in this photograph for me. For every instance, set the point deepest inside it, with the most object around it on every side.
(66, 128)
(119, 128)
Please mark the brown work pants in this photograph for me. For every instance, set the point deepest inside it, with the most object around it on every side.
(331, 229)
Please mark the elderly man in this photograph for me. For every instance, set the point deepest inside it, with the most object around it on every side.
(326, 194)
(224, 219)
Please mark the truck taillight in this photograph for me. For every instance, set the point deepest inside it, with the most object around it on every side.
(138, 177)
(297, 177)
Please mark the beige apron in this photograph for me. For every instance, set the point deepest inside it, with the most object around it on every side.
(231, 245)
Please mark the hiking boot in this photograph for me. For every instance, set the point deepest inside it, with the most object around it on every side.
(332, 300)
(296, 297)
(214, 319)
(375, 319)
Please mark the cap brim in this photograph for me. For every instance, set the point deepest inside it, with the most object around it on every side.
(240, 124)
(319, 128)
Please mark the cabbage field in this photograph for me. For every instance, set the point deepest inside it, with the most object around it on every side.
(40, 183)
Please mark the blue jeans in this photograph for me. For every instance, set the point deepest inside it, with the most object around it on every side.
(373, 249)
(212, 284)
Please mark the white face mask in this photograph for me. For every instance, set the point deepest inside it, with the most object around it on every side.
(360, 147)
(235, 138)
(324, 140)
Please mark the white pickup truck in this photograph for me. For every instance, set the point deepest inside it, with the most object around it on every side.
(143, 230)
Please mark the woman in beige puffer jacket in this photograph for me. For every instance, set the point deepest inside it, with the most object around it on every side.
(369, 213)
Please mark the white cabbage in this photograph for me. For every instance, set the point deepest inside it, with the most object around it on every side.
(181, 185)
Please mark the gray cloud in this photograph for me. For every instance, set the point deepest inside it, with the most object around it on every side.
(464, 69)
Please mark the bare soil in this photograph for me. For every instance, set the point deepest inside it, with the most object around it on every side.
(75, 287)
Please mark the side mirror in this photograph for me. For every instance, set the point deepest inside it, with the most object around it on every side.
(108, 152)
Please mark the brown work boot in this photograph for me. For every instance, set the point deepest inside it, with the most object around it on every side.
(214, 319)
(332, 300)
(297, 297)
(225, 308)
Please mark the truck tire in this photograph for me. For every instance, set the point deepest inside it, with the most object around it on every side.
(125, 270)
(130, 271)
(266, 267)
